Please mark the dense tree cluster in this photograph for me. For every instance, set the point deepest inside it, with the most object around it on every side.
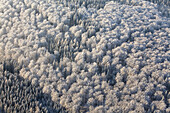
(18, 95)
(89, 56)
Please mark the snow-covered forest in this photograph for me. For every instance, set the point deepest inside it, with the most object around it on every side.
(84, 56)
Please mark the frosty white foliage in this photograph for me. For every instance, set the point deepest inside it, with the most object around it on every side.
(93, 55)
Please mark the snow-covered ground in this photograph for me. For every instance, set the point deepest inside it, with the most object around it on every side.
(88, 56)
